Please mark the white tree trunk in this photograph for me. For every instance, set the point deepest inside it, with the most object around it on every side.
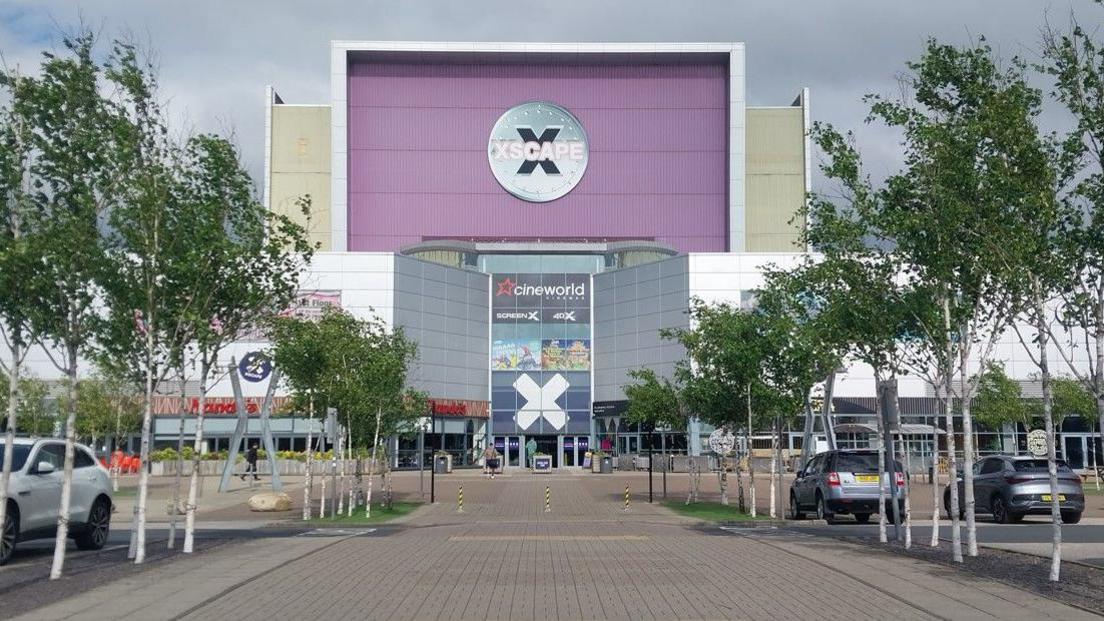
(952, 458)
(935, 483)
(143, 468)
(1098, 377)
(1048, 420)
(340, 490)
(322, 494)
(723, 481)
(371, 467)
(908, 496)
(197, 446)
(9, 436)
(61, 538)
(751, 457)
(882, 479)
(967, 452)
(308, 475)
(179, 462)
(773, 472)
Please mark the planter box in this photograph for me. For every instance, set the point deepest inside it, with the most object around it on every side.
(542, 463)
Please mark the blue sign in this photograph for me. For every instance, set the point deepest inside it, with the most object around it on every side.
(255, 367)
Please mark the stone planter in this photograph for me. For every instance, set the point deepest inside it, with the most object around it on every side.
(542, 463)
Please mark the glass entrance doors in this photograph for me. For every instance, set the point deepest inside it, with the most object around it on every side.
(573, 449)
(1082, 451)
(510, 448)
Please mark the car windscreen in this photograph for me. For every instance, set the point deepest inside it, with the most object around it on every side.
(19, 455)
(859, 462)
(1038, 465)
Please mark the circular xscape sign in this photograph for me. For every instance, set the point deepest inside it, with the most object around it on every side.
(721, 441)
(1037, 442)
(538, 151)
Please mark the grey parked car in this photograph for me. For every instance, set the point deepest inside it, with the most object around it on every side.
(1011, 487)
(844, 481)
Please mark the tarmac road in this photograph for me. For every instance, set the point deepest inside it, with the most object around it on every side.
(1082, 542)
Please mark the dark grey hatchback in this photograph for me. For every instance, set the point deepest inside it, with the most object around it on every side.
(1011, 487)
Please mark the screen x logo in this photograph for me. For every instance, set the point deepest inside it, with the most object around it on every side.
(540, 401)
(547, 136)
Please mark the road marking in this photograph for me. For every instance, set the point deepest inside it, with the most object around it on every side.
(549, 538)
(336, 532)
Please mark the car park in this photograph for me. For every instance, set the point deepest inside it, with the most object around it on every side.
(1010, 487)
(843, 482)
(34, 495)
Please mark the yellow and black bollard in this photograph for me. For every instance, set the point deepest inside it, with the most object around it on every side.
(626, 496)
(548, 499)
(460, 500)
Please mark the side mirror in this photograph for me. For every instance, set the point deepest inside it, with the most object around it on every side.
(44, 467)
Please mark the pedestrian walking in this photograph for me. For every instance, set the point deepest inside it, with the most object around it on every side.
(530, 451)
(251, 462)
(490, 460)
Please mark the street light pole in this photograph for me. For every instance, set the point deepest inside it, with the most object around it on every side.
(432, 461)
(421, 459)
(651, 456)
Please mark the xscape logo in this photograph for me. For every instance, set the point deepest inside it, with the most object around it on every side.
(538, 135)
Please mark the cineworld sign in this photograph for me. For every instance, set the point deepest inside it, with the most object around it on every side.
(541, 291)
(538, 151)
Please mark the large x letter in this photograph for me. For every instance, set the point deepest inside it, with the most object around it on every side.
(548, 135)
(541, 401)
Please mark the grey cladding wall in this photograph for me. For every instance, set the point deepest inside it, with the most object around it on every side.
(444, 310)
(631, 305)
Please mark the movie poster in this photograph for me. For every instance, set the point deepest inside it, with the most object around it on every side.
(516, 355)
(565, 355)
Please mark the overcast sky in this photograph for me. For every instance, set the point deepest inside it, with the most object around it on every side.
(216, 56)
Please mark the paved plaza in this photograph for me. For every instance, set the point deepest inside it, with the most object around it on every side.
(504, 557)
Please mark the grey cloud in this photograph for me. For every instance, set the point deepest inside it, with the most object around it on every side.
(216, 56)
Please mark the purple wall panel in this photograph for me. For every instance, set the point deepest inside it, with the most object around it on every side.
(418, 164)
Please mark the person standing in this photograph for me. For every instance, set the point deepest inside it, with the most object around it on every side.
(530, 451)
(490, 460)
(251, 462)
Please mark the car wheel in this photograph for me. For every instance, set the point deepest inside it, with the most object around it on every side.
(862, 518)
(96, 530)
(795, 512)
(1071, 517)
(9, 535)
(822, 510)
(1000, 512)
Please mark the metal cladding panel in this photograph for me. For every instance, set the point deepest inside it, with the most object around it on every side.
(418, 138)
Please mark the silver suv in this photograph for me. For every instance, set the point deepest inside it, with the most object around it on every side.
(844, 481)
(1011, 487)
(34, 495)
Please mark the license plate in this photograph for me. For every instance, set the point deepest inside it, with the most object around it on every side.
(866, 478)
(1047, 497)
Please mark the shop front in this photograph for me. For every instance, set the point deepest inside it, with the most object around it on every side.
(456, 426)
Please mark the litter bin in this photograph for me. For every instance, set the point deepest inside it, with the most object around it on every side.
(607, 464)
(441, 464)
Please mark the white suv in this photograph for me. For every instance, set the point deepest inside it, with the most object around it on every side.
(34, 495)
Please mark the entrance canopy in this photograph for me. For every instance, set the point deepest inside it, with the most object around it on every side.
(908, 429)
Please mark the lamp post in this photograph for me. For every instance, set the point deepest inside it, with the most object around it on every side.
(433, 459)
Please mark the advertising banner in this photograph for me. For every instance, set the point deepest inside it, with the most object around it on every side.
(516, 355)
(565, 355)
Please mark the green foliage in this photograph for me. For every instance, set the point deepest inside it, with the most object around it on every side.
(653, 399)
(1000, 400)
(107, 407)
(358, 367)
(35, 414)
(1071, 398)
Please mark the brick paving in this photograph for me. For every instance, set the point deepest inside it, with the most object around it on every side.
(504, 557)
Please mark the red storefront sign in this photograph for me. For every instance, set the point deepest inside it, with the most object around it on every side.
(459, 408)
(213, 406)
